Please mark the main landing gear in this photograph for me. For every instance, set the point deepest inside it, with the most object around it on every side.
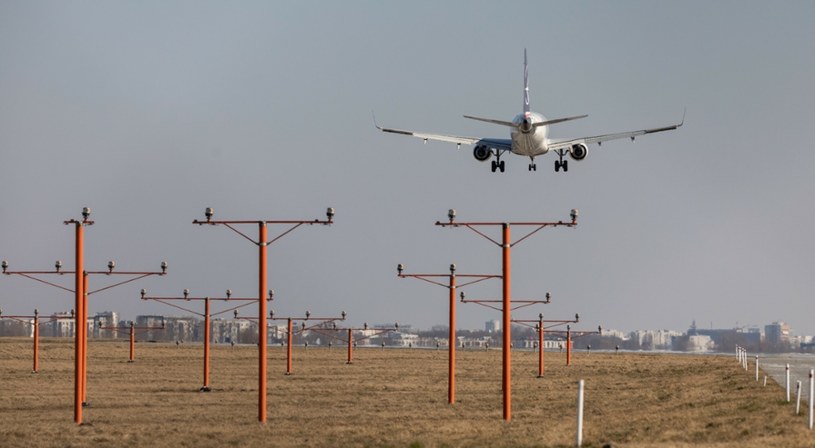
(561, 163)
(533, 167)
(498, 164)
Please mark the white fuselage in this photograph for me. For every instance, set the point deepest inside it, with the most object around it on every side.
(527, 139)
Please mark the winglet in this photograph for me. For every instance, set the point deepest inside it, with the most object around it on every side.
(375, 123)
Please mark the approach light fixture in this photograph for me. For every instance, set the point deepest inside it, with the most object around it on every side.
(330, 214)
(451, 214)
(574, 214)
(164, 267)
(576, 317)
(111, 265)
(452, 268)
(308, 314)
(228, 294)
(86, 212)
(208, 213)
(271, 294)
(548, 297)
(343, 315)
(58, 265)
(143, 293)
(4, 265)
(186, 292)
(399, 268)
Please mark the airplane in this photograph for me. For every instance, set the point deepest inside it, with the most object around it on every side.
(529, 137)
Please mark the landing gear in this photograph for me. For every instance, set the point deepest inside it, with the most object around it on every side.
(561, 163)
(533, 167)
(498, 165)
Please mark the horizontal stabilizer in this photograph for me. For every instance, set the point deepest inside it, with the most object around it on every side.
(559, 120)
(493, 121)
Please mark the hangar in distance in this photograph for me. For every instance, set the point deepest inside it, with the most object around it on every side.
(529, 137)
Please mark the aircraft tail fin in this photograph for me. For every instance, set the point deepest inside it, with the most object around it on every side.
(526, 85)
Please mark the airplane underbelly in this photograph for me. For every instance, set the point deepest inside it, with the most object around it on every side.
(526, 144)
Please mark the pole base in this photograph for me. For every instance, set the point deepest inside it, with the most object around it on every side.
(86, 404)
(204, 389)
(35, 371)
(287, 373)
(130, 361)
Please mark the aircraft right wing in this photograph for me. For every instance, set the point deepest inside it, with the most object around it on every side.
(599, 139)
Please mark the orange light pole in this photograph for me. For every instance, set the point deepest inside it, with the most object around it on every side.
(540, 328)
(352, 342)
(262, 242)
(206, 315)
(135, 275)
(36, 367)
(303, 328)
(35, 331)
(506, 244)
(132, 329)
(80, 325)
(568, 333)
(350, 335)
(81, 294)
(451, 338)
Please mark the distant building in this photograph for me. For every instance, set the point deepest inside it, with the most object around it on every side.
(61, 325)
(777, 333)
(105, 319)
(492, 326)
(700, 343)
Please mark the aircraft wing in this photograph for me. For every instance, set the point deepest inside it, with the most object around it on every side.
(599, 139)
(439, 137)
(496, 143)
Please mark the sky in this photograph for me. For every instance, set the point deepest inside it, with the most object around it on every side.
(148, 112)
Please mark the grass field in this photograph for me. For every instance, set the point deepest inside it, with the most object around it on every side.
(386, 398)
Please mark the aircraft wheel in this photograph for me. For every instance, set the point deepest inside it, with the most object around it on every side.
(557, 165)
(501, 166)
(494, 166)
(565, 165)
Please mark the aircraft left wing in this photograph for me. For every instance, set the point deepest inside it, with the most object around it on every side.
(426, 136)
(599, 139)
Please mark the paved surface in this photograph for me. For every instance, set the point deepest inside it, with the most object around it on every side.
(774, 366)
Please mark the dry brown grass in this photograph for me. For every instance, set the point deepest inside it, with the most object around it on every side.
(386, 398)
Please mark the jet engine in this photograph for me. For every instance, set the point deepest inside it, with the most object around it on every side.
(579, 151)
(482, 153)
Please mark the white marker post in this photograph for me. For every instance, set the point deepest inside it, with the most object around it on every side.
(797, 397)
(811, 394)
(580, 413)
(787, 375)
(756, 367)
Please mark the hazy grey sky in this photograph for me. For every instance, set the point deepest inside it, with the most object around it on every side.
(148, 112)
